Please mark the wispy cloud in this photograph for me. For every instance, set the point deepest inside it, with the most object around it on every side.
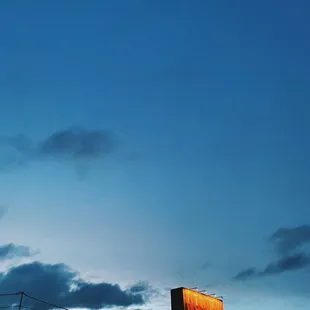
(288, 263)
(139, 287)
(11, 250)
(286, 242)
(245, 274)
(77, 143)
(74, 145)
(3, 210)
(143, 287)
(71, 144)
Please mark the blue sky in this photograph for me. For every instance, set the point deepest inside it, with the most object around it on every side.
(193, 117)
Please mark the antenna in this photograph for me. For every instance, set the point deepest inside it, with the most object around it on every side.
(21, 300)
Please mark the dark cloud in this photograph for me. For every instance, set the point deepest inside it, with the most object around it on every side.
(11, 250)
(73, 143)
(289, 263)
(139, 287)
(77, 145)
(144, 288)
(60, 285)
(245, 274)
(287, 240)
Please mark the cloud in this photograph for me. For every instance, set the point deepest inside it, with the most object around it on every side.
(77, 145)
(139, 287)
(144, 288)
(60, 285)
(11, 250)
(73, 143)
(287, 240)
(3, 211)
(288, 263)
(245, 274)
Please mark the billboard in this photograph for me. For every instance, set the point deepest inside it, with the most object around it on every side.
(186, 299)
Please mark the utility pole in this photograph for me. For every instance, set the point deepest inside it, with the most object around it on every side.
(21, 300)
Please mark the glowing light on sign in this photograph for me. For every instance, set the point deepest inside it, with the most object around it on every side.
(197, 301)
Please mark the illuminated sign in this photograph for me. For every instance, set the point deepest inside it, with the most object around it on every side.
(186, 299)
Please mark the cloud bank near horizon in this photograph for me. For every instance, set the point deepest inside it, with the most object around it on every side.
(60, 285)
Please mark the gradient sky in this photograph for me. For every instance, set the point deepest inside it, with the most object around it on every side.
(206, 104)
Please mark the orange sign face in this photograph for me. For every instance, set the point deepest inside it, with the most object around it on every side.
(196, 301)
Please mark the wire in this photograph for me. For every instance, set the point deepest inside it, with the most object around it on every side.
(13, 306)
(31, 297)
(45, 302)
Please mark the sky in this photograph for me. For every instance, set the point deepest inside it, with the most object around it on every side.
(146, 145)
